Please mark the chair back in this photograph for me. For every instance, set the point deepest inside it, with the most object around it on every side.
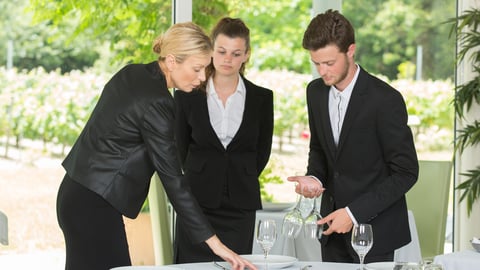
(161, 211)
(428, 200)
(3, 229)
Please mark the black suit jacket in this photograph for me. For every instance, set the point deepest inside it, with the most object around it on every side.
(374, 164)
(129, 136)
(210, 168)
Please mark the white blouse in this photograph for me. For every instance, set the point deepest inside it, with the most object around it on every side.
(226, 120)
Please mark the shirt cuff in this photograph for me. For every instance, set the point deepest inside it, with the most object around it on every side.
(351, 216)
(314, 177)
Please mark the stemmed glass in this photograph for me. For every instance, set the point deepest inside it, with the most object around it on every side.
(266, 236)
(293, 220)
(362, 240)
(312, 229)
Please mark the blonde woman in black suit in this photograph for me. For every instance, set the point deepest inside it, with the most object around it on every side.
(224, 135)
(129, 136)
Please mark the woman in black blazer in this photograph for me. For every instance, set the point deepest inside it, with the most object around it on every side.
(224, 135)
(129, 136)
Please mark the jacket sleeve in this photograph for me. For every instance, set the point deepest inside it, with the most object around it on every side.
(317, 161)
(266, 132)
(182, 128)
(158, 133)
(399, 154)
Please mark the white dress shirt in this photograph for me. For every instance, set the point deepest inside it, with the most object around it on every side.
(226, 120)
(337, 106)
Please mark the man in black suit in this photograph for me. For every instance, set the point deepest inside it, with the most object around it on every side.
(362, 156)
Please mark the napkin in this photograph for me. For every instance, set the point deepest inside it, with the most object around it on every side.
(476, 240)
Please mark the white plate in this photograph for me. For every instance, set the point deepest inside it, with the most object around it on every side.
(275, 206)
(380, 266)
(145, 267)
(274, 261)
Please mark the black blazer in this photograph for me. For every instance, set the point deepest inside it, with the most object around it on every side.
(375, 162)
(210, 168)
(129, 136)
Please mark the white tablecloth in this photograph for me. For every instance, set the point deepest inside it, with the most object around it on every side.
(462, 260)
(211, 266)
(306, 249)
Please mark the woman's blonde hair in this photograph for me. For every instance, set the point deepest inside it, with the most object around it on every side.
(182, 40)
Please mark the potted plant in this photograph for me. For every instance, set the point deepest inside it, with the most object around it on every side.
(466, 29)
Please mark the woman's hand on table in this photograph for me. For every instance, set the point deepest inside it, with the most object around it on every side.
(235, 260)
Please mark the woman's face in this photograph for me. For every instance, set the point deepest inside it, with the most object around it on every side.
(188, 75)
(229, 54)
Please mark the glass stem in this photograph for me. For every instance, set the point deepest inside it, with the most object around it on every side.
(362, 257)
(265, 253)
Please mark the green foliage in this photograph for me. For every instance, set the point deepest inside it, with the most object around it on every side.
(289, 100)
(467, 94)
(471, 188)
(48, 107)
(385, 40)
(468, 136)
(129, 26)
(276, 45)
(268, 176)
(391, 36)
(40, 44)
(467, 32)
(430, 103)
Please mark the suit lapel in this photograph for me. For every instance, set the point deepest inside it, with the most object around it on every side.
(326, 124)
(248, 112)
(204, 117)
(354, 106)
(323, 124)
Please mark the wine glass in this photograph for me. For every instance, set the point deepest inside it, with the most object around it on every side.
(312, 229)
(362, 240)
(266, 236)
(293, 220)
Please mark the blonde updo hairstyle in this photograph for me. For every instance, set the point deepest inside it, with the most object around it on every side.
(182, 40)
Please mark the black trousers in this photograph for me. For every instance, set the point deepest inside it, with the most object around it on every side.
(94, 231)
(338, 249)
(234, 227)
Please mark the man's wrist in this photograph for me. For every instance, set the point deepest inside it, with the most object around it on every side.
(354, 221)
(314, 177)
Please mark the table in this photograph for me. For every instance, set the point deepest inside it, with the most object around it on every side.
(461, 260)
(306, 249)
(210, 266)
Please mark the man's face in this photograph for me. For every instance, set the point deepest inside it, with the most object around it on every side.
(334, 66)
